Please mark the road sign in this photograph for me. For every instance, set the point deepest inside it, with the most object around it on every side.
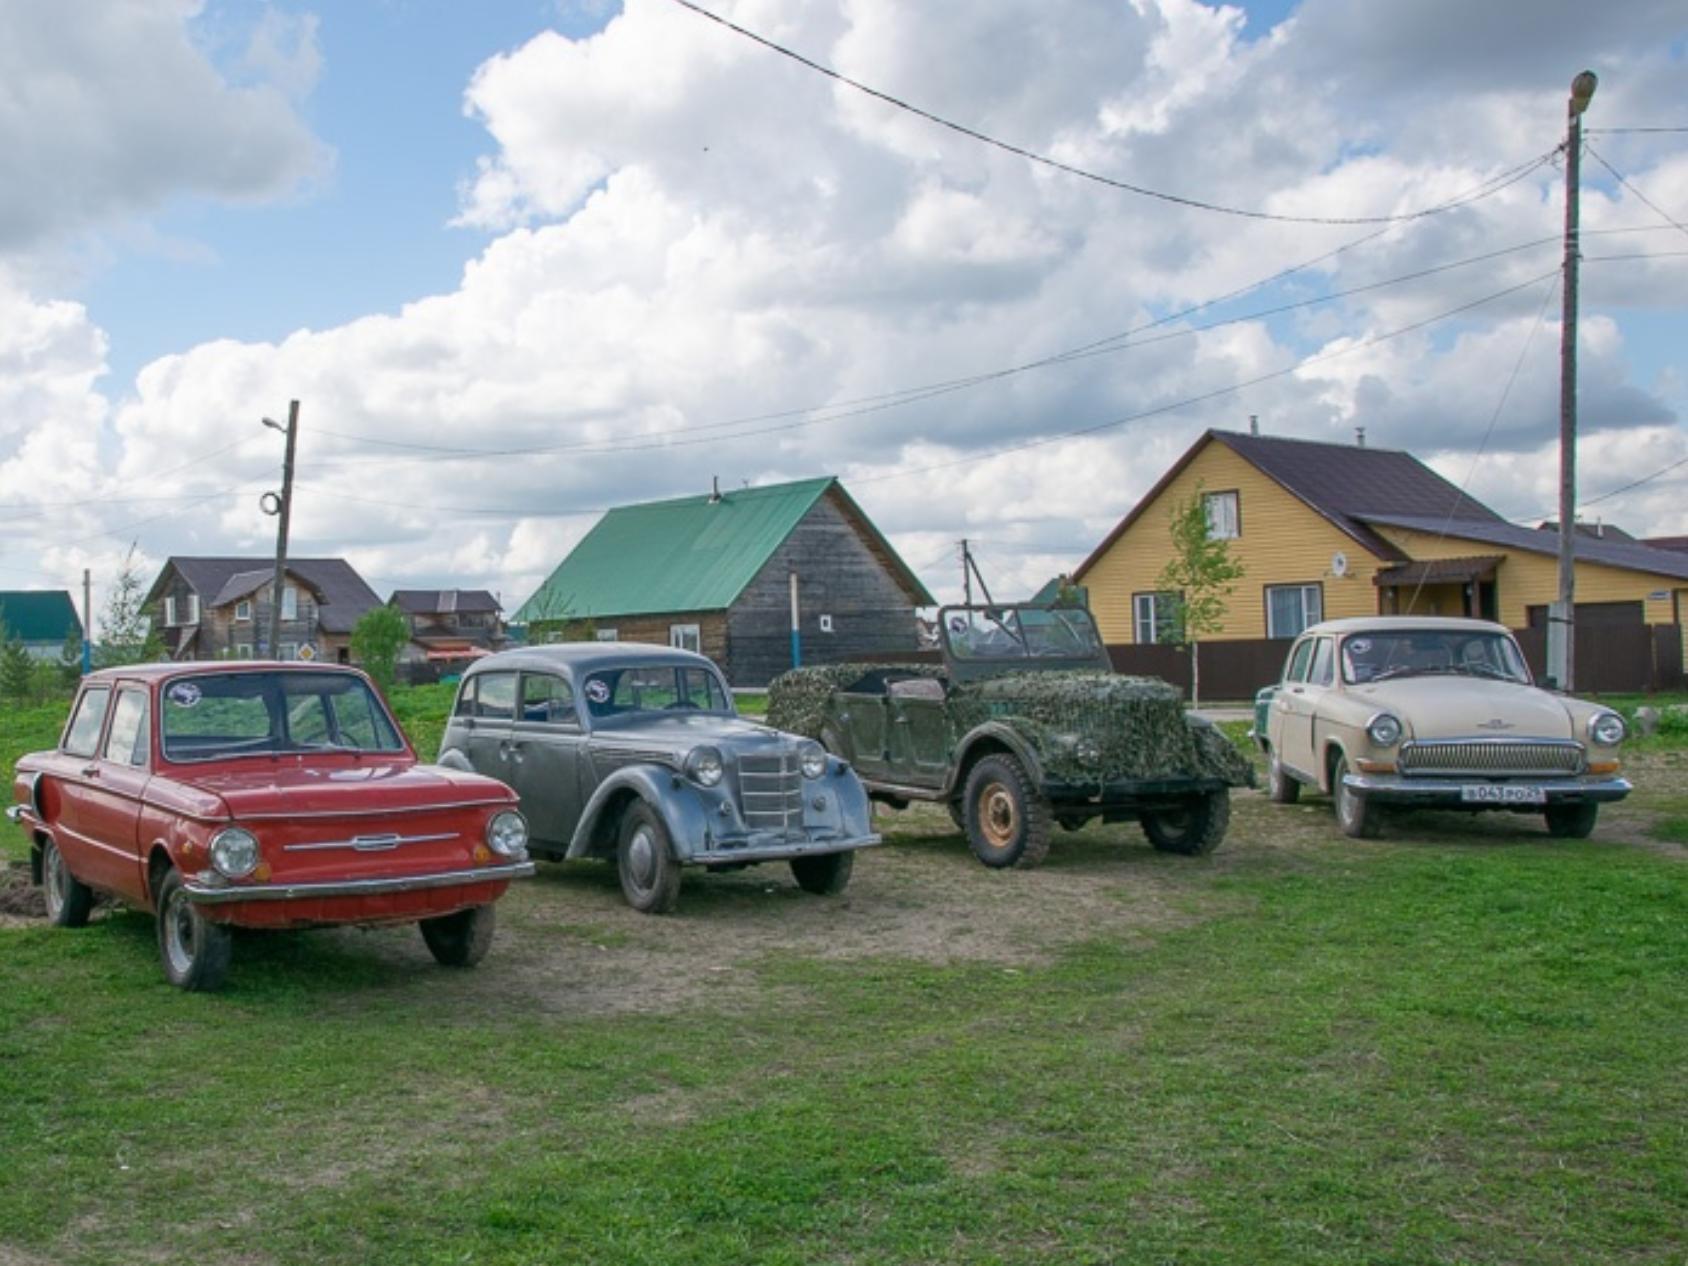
(307, 652)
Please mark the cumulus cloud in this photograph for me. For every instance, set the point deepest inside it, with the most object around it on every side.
(710, 261)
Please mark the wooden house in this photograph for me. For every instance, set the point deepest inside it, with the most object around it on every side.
(219, 608)
(449, 628)
(723, 573)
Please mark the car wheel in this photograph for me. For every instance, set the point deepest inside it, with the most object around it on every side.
(194, 950)
(1007, 817)
(69, 900)
(461, 939)
(1571, 821)
(825, 875)
(1355, 814)
(1280, 787)
(1194, 829)
(650, 877)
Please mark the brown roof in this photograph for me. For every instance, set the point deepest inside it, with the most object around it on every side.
(343, 594)
(442, 601)
(1677, 544)
(1438, 571)
(1629, 555)
(1343, 483)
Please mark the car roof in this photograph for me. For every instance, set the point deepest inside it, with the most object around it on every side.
(211, 667)
(1401, 623)
(578, 657)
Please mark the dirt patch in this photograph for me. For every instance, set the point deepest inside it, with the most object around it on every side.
(20, 900)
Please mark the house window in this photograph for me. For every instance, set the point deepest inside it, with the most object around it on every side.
(1292, 608)
(289, 650)
(243, 650)
(289, 603)
(608, 635)
(684, 636)
(1155, 618)
(243, 609)
(170, 612)
(1224, 516)
(193, 608)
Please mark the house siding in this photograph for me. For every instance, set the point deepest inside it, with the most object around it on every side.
(840, 574)
(1282, 542)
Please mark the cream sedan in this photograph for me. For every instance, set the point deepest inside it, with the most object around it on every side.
(1437, 713)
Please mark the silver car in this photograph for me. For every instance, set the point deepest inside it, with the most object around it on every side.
(636, 753)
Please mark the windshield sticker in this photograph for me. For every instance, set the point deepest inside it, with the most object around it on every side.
(184, 694)
(958, 624)
(598, 690)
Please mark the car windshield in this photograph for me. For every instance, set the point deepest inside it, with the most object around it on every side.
(1381, 656)
(655, 688)
(1006, 633)
(217, 715)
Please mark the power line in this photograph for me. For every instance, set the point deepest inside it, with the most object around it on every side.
(1621, 131)
(1142, 191)
(1666, 216)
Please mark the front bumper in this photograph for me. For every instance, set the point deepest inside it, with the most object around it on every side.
(223, 894)
(763, 850)
(1446, 792)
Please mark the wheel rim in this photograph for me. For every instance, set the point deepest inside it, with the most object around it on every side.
(180, 939)
(1175, 823)
(999, 815)
(53, 876)
(641, 857)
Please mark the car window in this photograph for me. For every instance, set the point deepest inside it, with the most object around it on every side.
(701, 689)
(495, 696)
(465, 705)
(127, 744)
(82, 735)
(1296, 669)
(654, 688)
(307, 720)
(220, 715)
(547, 699)
(1322, 672)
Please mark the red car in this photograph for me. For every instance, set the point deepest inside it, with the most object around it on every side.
(261, 795)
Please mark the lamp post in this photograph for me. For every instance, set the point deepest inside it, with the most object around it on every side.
(1561, 625)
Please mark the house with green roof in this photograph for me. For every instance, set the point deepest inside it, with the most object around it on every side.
(735, 575)
(40, 618)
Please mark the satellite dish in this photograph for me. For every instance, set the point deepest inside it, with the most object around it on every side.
(1339, 564)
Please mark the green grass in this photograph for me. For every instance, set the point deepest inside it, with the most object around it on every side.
(1406, 1054)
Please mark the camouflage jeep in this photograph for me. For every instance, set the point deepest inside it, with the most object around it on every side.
(1024, 724)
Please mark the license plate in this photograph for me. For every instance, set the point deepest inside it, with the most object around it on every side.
(1493, 793)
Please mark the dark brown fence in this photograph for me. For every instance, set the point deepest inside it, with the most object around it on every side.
(1229, 670)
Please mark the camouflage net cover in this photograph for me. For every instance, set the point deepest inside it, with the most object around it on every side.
(1085, 726)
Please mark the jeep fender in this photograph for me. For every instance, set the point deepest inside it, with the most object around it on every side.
(454, 758)
(675, 800)
(993, 734)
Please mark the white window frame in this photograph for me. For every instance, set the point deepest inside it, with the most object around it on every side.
(243, 609)
(289, 651)
(193, 608)
(1147, 609)
(170, 611)
(1312, 611)
(243, 650)
(1227, 524)
(686, 637)
(289, 602)
(608, 635)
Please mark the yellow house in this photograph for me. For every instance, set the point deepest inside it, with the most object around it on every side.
(1332, 530)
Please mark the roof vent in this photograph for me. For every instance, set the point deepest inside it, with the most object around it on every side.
(714, 489)
(1254, 424)
(1360, 436)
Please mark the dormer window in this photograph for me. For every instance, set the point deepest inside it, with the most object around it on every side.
(1224, 515)
(243, 609)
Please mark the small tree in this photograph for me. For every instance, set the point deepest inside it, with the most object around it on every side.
(126, 634)
(1203, 575)
(69, 662)
(17, 672)
(377, 638)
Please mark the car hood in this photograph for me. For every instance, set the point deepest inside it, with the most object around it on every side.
(1455, 706)
(680, 732)
(287, 788)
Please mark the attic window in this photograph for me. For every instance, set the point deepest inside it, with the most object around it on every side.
(1224, 515)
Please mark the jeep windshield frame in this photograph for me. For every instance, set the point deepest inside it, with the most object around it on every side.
(989, 639)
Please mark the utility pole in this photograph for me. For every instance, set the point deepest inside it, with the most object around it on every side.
(283, 509)
(1561, 621)
(966, 573)
(87, 622)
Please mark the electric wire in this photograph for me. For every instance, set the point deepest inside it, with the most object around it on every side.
(1666, 216)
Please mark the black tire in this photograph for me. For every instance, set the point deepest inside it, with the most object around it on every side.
(1358, 817)
(1194, 829)
(1280, 787)
(195, 952)
(461, 939)
(1571, 821)
(1007, 817)
(69, 900)
(825, 875)
(644, 858)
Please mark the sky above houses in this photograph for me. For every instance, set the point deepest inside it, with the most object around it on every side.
(521, 261)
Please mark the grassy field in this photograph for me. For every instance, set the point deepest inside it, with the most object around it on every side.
(1461, 1043)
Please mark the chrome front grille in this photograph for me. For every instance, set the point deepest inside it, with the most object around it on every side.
(1493, 758)
(771, 793)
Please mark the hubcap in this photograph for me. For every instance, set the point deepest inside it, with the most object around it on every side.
(1175, 822)
(999, 816)
(641, 857)
(179, 939)
(54, 875)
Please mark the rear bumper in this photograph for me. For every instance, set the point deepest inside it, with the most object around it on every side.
(210, 894)
(780, 851)
(1446, 792)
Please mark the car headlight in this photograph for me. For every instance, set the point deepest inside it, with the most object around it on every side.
(1607, 729)
(507, 833)
(811, 756)
(1384, 730)
(704, 767)
(234, 852)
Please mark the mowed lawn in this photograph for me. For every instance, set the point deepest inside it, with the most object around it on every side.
(1461, 1043)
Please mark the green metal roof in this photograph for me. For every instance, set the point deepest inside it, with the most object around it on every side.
(689, 554)
(38, 615)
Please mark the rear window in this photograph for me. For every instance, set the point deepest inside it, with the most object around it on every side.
(82, 735)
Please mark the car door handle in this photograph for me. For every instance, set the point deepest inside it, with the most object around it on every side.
(90, 771)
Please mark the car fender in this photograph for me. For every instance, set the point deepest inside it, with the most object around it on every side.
(993, 732)
(676, 801)
(855, 807)
(454, 758)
